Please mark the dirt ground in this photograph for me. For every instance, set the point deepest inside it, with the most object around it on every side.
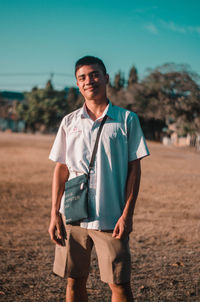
(164, 244)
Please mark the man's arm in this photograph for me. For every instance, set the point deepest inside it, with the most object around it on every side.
(124, 224)
(60, 176)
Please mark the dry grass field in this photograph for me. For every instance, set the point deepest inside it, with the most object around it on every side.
(165, 242)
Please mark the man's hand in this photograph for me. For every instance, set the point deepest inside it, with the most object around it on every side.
(55, 229)
(124, 226)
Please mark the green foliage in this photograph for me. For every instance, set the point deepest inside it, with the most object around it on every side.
(174, 95)
(170, 94)
(119, 81)
(133, 77)
(43, 109)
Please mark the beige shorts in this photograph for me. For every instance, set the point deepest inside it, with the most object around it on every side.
(73, 260)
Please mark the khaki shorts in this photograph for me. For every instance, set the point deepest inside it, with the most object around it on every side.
(73, 260)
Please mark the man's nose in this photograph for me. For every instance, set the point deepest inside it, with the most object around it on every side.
(89, 79)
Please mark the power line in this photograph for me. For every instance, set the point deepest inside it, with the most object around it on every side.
(21, 84)
(64, 74)
(33, 84)
(36, 80)
(11, 74)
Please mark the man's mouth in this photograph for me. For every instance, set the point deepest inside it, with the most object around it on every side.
(91, 88)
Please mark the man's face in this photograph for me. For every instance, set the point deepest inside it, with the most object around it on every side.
(92, 82)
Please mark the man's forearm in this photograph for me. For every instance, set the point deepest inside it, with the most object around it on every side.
(124, 224)
(132, 188)
(60, 176)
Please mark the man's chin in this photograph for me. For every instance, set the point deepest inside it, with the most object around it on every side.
(92, 95)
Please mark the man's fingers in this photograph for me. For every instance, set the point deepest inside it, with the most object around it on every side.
(115, 231)
(56, 239)
(118, 231)
(56, 233)
(58, 227)
(119, 234)
(52, 233)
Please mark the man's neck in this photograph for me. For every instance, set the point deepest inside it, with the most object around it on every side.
(96, 108)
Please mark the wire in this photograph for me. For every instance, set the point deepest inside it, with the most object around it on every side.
(11, 74)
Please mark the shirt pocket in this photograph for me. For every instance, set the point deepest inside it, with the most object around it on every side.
(113, 131)
(113, 138)
(74, 141)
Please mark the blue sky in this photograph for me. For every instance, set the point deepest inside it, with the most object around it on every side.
(42, 37)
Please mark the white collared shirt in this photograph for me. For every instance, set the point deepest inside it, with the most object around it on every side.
(121, 141)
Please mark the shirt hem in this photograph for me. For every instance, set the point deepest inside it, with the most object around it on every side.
(135, 157)
(57, 160)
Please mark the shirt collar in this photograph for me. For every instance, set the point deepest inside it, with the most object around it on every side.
(109, 110)
(84, 113)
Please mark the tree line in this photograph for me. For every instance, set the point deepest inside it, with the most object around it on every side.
(169, 94)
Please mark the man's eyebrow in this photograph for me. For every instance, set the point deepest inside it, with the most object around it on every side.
(83, 75)
(95, 71)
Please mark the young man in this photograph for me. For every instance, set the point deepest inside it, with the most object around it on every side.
(113, 186)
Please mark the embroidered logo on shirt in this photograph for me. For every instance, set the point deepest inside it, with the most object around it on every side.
(75, 130)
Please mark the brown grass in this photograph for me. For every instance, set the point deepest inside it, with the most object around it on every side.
(164, 244)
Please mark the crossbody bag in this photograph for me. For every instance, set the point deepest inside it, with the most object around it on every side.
(76, 189)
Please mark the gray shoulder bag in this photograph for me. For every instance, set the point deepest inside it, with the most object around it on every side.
(76, 189)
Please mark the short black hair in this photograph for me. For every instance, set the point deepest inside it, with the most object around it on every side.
(90, 60)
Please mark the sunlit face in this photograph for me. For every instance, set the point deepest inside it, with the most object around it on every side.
(92, 82)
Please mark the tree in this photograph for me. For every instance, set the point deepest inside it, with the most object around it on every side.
(49, 86)
(73, 99)
(172, 96)
(43, 109)
(169, 94)
(181, 97)
(133, 77)
(119, 81)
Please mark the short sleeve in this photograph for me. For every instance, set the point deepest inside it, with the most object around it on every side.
(137, 147)
(58, 151)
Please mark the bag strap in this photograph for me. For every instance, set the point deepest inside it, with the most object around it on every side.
(91, 165)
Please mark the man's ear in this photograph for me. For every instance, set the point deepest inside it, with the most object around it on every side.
(107, 78)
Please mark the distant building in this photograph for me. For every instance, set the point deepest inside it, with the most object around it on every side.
(172, 138)
(8, 115)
